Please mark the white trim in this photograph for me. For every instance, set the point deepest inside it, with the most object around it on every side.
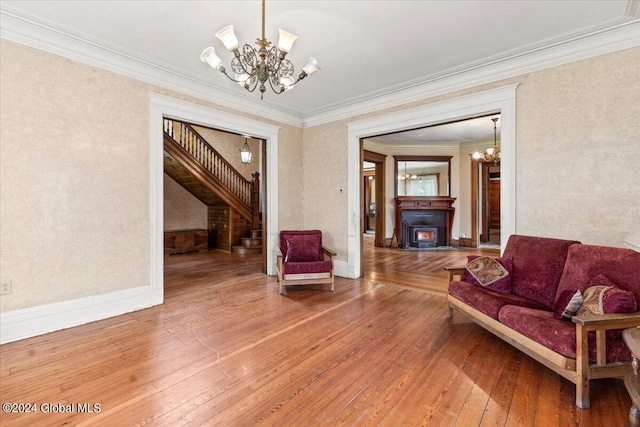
(501, 100)
(29, 322)
(631, 244)
(616, 34)
(625, 36)
(340, 268)
(32, 31)
(165, 106)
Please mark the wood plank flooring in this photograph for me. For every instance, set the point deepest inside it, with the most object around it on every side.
(225, 349)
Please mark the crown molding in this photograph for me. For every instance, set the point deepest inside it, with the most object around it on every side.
(29, 30)
(611, 36)
(622, 34)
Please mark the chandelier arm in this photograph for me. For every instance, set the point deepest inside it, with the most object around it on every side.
(242, 59)
(223, 71)
(300, 77)
(273, 88)
(255, 85)
(274, 61)
(248, 88)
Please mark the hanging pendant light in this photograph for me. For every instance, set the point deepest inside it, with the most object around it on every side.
(245, 153)
(491, 154)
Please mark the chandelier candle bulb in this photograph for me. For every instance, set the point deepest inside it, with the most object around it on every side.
(286, 41)
(209, 56)
(312, 67)
(287, 82)
(228, 37)
(241, 77)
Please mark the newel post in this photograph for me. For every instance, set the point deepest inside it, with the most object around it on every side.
(255, 200)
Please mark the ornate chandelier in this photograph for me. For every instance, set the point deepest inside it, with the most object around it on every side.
(254, 68)
(491, 154)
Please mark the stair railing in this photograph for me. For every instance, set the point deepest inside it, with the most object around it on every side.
(189, 139)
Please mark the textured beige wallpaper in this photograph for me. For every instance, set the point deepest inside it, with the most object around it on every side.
(578, 169)
(75, 179)
(290, 180)
(325, 175)
(577, 154)
(182, 209)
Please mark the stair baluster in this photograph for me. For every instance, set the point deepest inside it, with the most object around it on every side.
(210, 159)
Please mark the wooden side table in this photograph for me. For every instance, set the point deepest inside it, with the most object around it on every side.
(632, 379)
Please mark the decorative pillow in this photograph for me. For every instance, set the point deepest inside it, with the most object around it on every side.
(303, 248)
(490, 273)
(615, 300)
(568, 304)
(604, 297)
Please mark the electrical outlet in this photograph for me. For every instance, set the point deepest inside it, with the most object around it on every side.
(6, 288)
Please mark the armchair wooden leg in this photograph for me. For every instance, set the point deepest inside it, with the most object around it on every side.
(449, 314)
(332, 285)
(634, 417)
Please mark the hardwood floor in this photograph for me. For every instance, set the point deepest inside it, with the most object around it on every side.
(225, 349)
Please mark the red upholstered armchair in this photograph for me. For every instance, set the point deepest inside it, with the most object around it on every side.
(302, 259)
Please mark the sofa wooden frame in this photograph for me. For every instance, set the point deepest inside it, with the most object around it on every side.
(305, 278)
(579, 371)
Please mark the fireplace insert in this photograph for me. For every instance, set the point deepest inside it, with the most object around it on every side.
(423, 237)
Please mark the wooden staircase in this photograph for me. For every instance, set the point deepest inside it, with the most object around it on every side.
(251, 244)
(233, 201)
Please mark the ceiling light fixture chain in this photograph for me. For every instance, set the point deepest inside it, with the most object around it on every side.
(254, 68)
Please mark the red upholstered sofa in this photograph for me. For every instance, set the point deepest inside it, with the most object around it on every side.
(579, 348)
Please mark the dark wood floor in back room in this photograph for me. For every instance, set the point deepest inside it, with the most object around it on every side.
(225, 349)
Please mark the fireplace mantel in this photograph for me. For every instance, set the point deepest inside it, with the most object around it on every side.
(424, 203)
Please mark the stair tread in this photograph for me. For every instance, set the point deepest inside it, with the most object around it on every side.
(246, 249)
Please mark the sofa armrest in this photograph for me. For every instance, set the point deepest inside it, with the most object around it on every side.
(600, 324)
(608, 321)
(455, 271)
(278, 252)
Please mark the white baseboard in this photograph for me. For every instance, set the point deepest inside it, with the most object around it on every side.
(33, 321)
(341, 269)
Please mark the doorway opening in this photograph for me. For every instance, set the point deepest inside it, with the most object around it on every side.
(161, 107)
(500, 100)
(490, 206)
(213, 197)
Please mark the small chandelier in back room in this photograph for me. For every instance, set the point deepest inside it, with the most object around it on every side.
(491, 154)
(406, 176)
(253, 68)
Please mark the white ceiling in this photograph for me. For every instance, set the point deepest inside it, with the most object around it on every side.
(365, 48)
(471, 130)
